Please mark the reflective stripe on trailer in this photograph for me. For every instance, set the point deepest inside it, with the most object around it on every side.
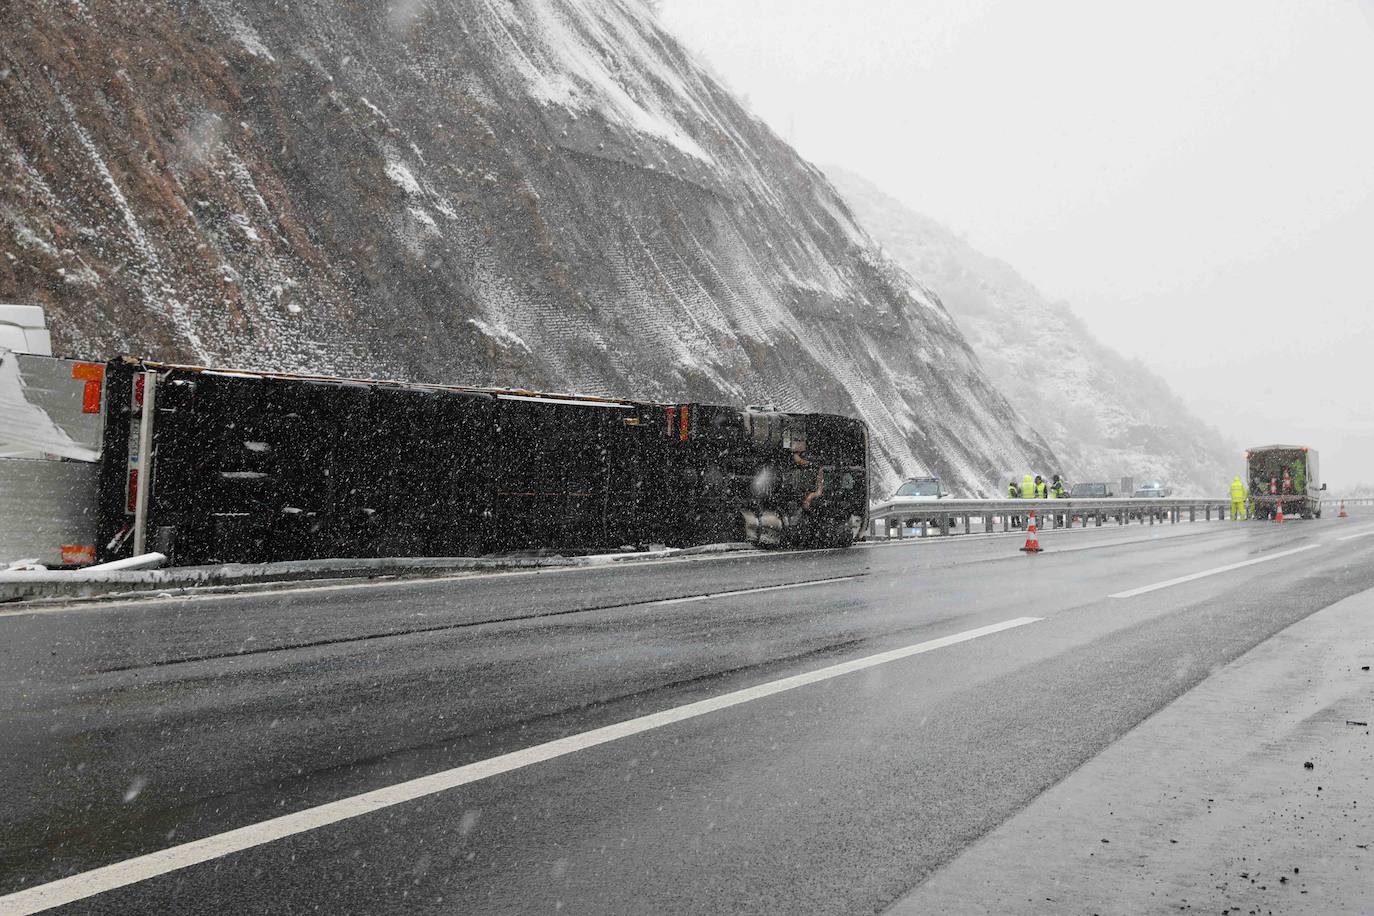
(135, 427)
(92, 374)
(78, 554)
(679, 422)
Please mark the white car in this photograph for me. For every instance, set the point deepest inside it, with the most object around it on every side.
(920, 490)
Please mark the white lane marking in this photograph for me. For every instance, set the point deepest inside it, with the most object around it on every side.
(1360, 534)
(1152, 539)
(749, 591)
(142, 868)
(1211, 572)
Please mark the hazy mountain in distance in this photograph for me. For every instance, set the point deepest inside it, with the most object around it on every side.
(1105, 416)
(547, 194)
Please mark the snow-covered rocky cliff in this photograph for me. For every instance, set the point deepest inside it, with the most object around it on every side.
(544, 193)
(1104, 416)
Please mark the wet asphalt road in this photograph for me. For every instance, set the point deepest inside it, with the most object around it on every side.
(130, 727)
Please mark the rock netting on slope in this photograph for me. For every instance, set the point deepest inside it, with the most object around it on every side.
(1105, 416)
(537, 194)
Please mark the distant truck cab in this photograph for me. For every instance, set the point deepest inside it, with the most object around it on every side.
(1284, 476)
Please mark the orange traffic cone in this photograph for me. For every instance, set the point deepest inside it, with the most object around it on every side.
(1342, 512)
(1278, 516)
(1032, 542)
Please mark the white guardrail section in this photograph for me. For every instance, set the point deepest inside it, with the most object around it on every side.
(892, 519)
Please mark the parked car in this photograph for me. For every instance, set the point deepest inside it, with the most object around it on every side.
(1151, 489)
(1091, 491)
(920, 489)
(917, 490)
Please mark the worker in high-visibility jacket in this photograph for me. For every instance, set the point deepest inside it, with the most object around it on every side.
(1059, 490)
(1237, 499)
(1041, 490)
(1027, 492)
(1014, 492)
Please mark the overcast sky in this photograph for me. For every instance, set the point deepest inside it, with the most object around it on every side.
(1195, 178)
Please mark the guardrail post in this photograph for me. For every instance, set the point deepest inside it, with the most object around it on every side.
(1192, 513)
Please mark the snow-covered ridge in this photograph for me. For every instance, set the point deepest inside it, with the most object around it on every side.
(1105, 417)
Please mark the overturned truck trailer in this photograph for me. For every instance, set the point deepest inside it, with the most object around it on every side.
(261, 466)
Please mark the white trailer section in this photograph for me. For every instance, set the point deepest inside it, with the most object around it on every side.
(51, 425)
(47, 511)
(50, 408)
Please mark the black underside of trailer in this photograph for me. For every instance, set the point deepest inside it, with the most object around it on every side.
(259, 467)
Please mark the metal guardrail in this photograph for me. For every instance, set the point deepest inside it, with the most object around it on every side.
(1349, 501)
(891, 519)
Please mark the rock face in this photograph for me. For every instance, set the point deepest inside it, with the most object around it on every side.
(1104, 416)
(531, 194)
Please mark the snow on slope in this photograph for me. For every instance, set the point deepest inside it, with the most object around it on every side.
(1104, 416)
(540, 194)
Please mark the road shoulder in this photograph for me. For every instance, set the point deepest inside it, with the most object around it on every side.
(1210, 804)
